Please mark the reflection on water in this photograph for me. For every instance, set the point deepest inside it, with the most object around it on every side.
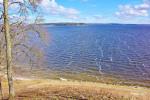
(113, 49)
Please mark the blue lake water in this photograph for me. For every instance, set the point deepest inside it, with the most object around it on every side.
(122, 50)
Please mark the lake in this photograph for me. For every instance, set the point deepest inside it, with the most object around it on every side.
(113, 49)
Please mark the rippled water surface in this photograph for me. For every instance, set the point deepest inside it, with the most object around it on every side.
(113, 49)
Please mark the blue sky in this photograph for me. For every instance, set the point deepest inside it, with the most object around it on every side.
(95, 11)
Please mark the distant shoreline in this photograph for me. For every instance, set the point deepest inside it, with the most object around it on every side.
(75, 23)
(63, 24)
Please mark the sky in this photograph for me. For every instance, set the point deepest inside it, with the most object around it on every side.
(95, 11)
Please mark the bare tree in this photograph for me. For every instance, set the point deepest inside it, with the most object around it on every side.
(8, 50)
(18, 35)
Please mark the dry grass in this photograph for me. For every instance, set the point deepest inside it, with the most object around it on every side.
(54, 89)
(74, 90)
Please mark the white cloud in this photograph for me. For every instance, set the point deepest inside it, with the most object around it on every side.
(127, 11)
(52, 7)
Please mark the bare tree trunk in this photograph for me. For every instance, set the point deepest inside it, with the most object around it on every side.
(1, 93)
(8, 51)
